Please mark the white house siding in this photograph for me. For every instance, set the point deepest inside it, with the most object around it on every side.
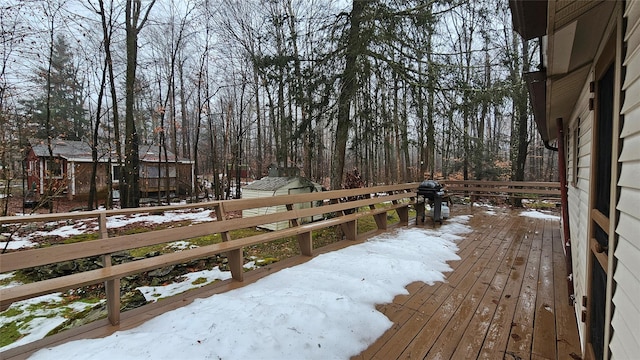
(579, 195)
(625, 339)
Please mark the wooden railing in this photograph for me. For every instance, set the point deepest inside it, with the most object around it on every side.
(341, 207)
(475, 189)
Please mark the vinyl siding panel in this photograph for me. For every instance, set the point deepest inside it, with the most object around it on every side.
(630, 176)
(633, 94)
(625, 337)
(579, 196)
(626, 323)
(630, 148)
(631, 127)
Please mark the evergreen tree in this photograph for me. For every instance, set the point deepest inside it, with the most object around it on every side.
(68, 117)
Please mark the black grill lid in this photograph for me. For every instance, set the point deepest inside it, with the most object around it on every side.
(429, 185)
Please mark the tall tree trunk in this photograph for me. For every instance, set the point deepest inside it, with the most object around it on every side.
(91, 202)
(519, 149)
(107, 30)
(431, 138)
(49, 191)
(185, 129)
(347, 91)
(256, 90)
(130, 188)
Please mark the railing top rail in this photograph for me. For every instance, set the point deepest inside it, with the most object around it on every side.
(242, 204)
(42, 256)
(550, 184)
(74, 215)
(229, 205)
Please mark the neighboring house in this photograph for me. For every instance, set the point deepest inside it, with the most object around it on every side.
(154, 167)
(71, 168)
(587, 97)
(274, 185)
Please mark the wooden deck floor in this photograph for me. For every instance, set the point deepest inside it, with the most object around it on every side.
(505, 299)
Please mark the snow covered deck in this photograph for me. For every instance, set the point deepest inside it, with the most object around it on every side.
(505, 299)
(497, 290)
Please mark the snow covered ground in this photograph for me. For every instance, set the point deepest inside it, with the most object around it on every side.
(81, 227)
(321, 309)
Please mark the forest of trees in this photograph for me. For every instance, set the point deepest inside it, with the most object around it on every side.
(399, 90)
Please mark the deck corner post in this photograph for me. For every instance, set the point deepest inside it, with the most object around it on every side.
(112, 294)
(403, 214)
(381, 220)
(112, 290)
(235, 264)
(350, 229)
(306, 243)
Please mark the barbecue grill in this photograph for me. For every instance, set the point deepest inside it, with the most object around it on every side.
(431, 191)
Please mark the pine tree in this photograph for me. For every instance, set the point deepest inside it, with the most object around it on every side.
(68, 117)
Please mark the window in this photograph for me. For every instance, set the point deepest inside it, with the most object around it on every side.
(115, 173)
(575, 155)
(53, 168)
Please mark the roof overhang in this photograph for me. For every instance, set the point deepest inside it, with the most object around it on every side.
(574, 31)
(529, 17)
(537, 86)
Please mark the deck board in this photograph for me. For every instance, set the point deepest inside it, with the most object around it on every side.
(442, 305)
(544, 336)
(506, 298)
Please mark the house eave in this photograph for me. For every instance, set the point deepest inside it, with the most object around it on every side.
(573, 32)
(537, 86)
(529, 17)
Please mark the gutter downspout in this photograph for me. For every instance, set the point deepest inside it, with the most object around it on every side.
(562, 169)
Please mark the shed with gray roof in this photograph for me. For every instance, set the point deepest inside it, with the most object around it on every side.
(273, 186)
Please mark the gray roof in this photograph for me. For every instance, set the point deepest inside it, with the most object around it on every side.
(81, 151)
(66, 149)
(271, 183)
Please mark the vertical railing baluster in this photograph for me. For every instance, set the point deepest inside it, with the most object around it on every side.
(111, 287)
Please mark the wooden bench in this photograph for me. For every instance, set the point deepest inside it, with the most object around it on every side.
(386, 198)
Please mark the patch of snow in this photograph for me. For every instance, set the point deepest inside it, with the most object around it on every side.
(181, 245)
(42, 315)
(321, 309)
(169, 216)
(36, 329)
(153, 293)
(539, 215)
(64, 231)
(250, 265)
(483, 205)
(78, 228)
(17, 243)
(7, 275)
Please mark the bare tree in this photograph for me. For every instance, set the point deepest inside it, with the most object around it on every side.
(130, 187)
(348, 85)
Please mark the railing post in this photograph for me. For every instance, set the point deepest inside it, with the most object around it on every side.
(403, 212)
(233, 256)
(349, 228)
(381, 219)
(305, 240)
(111, 287)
